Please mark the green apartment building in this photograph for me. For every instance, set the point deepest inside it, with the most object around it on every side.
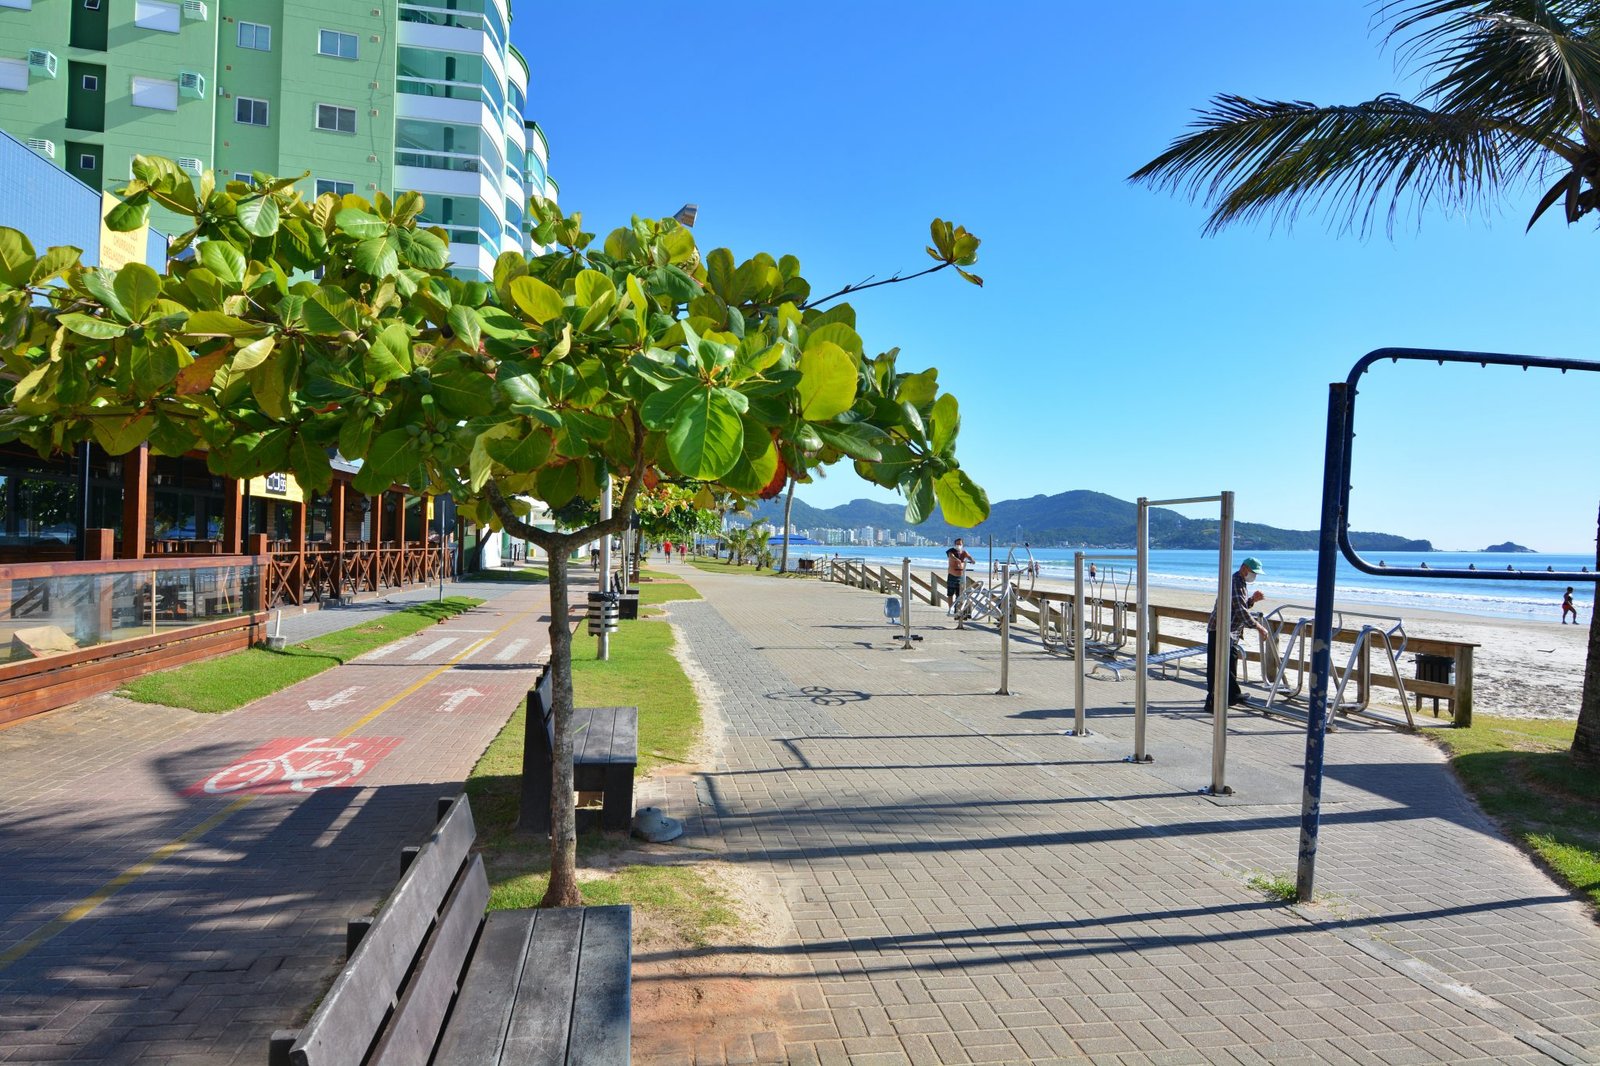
(359, 95)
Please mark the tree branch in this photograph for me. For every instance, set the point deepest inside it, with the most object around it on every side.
(860, 286)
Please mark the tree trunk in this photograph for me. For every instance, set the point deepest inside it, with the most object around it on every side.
(563, 891)
(788, 505)
(1586, 741)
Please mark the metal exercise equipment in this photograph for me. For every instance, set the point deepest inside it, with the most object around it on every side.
(1335, 538)
(1389, 637)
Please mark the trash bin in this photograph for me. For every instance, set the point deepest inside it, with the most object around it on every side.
(1438, 668)
(603, 610)
(628, 605)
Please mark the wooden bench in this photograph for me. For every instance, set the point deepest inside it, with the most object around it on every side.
(605, 753)
(431, 980)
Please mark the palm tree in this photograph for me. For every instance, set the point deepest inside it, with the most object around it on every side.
(737, 538)
(1511, 96)
(760, 549)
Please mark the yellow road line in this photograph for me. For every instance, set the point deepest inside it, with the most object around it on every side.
(84, 907)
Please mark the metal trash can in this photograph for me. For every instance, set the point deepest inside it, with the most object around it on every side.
(603, 611)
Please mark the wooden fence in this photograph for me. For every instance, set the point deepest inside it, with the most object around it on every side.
(1121, 626)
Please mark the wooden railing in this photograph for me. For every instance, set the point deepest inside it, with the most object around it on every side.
(320, 573)
(1119, 618)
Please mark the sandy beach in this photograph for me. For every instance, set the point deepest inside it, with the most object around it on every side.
(1522, 669)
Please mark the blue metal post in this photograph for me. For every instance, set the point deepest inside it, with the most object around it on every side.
(1333, 475)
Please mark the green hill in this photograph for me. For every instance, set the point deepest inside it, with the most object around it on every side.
(1073, 519)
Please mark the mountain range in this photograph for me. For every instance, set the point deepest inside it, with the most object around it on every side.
(1079, 518)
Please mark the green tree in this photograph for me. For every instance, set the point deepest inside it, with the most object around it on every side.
(633, 359)
(760, 540)
(737, 540)
(1511, 96)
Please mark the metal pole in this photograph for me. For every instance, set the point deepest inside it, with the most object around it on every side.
(1079, 728)
(605, 568)
(1222, 653)
(1142, 630)
(1005, 643)
(905, 601)
(440, 508)
(1321, 643)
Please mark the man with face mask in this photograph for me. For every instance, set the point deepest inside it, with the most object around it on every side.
(1248, 571)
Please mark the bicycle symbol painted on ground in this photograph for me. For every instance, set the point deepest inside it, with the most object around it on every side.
(296, 764)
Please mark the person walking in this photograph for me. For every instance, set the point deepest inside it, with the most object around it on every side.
(1240, 617)
(956, 559)
(1567, 607)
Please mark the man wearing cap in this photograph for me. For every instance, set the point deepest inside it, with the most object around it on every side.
(1248, 571)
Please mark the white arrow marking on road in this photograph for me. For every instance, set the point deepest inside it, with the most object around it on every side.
(452, 700)
(339, 698)
(509, 650)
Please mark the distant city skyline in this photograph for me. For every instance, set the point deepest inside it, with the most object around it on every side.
(1113, 348)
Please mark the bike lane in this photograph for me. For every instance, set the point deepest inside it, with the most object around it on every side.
(180, 902)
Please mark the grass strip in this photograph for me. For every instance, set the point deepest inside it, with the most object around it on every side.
(231, 681)
(1522, 773)
(642, 671)
(533, 575)
(714, 566)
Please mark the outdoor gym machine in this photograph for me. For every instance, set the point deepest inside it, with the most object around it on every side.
(1335, 537)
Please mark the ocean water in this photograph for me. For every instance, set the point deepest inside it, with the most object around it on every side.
(1292, 577)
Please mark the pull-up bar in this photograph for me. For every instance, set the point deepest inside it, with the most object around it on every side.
(1335, 538)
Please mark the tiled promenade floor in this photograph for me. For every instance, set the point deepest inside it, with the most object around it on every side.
(230, 920)
(968, 884)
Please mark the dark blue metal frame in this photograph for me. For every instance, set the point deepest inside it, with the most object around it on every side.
(1335, 537)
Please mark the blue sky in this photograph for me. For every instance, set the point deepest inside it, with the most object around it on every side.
(1113, 347)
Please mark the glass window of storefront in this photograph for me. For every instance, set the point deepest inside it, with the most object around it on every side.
(186, 500)
(39, 508)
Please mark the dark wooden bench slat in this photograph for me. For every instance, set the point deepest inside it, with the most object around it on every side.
(345, 1025)
(602, 1013)
(477, 1031)
(412, 1032)
(625, 737)
(541, 1019)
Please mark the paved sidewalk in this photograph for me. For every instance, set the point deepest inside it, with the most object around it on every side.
(221, 890)
(968, 884)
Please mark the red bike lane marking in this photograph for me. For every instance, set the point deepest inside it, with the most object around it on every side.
(296, 764)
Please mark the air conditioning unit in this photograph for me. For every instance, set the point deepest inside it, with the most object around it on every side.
(192, 85)
(190, 163)
(195, 10)
(46, 148)
(41, 64)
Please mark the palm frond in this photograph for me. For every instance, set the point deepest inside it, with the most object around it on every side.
(1250, 158)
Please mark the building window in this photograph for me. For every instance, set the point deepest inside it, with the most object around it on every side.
(157, 15)
(256, 36)
(14, 75)
(336, 119)
(338, 188)
(250, 112)
(91, 83)
(158, 93)
(336, 44)
(87, 161)
(243, 176)
(91, 5)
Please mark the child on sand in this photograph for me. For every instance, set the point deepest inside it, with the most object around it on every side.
(1566, 605)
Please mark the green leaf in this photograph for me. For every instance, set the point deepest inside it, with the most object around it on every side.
(422, 249)
(153, 366)
(839, 333)
(707, 436)
(222, 259)
(659, 411)
(378, 256)
(945, 423)
(918, 389)
(963, 502)
(536, 300)
(720, 275)
(120, 435)
(557, 485)
(99, 329)
(101, 284)
(359, 224)
(137, 286)
(253, 354)
(217, 324)
(464, 392)
(355, 435)
(591, 286)
(331, 311)
(524, 454)
(16, 257)
(309, 462)
(54, 263)
(855, 440)
(130, 214)
(919, 500)
(260, 216)
(827, 381)
(389, 357)
(391, 454)
(464, 323)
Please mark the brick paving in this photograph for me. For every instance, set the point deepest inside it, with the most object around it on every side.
(217, 942)
(968, 884)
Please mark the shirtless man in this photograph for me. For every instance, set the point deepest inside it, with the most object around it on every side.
(957, 558)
